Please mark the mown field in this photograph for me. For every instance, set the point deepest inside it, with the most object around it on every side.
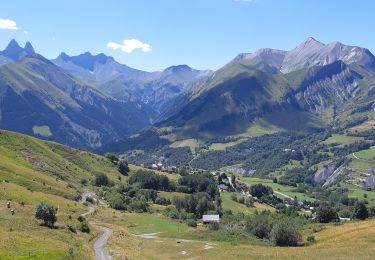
(347, 241)
(287, 190)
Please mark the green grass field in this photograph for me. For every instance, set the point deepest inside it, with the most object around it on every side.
(342, 139)
(43, 130)
(235, 207)
(287, 190)
(368, 154)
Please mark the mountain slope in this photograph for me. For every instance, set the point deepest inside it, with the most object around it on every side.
(250, 96)
(13, 52)
(156, 90)
(41, 95)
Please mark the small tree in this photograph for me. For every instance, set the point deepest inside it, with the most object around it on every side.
(101, 180)
(285, 233)
(259, 190)
(112, 157)
(326, 214)
(258, 226)
(84, 227)
(360, 211)
(123, 167)
(47, 213)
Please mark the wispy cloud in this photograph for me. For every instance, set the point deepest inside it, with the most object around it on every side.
(129, 46)
(7, 24)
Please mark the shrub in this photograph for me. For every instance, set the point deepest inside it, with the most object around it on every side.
(112, 157)
(71, 228)
(47, 213)
(241, 200)
(285, 233)
(258, 226)
(84, 227)
(259, 190)
(123, 167)
(233, 197)
(360, 211)
(90, 199)
(101, 180)
(213, 226)
(81, 218)
(171, 212)
(311, 239)
(191, 222)
(326, 214)
(162, 201)
(249, 203)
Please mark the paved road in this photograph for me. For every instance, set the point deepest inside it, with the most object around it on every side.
(100, 246)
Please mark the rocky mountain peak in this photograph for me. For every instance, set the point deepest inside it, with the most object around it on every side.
(29, 48)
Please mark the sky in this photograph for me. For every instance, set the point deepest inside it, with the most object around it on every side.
(204, 34)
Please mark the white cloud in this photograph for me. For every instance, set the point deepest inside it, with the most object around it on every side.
(7, 24)
(129, 46)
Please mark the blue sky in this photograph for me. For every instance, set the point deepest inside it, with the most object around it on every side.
(204, 34)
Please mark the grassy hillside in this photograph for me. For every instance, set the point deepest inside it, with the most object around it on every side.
(48, 167)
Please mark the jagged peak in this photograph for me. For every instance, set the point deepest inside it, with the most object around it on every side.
(29, 48)
(13, 44)
(310, 43)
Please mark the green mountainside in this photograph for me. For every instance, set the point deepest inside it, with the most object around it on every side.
(36, 93)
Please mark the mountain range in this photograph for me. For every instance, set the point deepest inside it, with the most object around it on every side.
(308, 87)
(89, 100)
(85, 100)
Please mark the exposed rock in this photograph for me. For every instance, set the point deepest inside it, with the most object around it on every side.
(370, 181)
(328, 175)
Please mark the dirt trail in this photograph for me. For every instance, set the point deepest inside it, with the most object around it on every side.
(100, 245)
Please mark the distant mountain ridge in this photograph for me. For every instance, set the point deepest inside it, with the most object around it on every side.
(308, 54)
(157, 90)
(14, 52)
(39, 98)
(306, 88)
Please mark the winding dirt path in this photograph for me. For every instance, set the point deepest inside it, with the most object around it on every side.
(100, 245)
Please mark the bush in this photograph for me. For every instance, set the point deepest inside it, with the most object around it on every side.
(123, 167)
(171, 212)
(81, 218)
(84, 227)
(162, 201)
(285, 233)
(241, 200)
(213, 226)
(191, 222)
(112, 157)
(90, 200)
(249, 203)
(47, 213)
(258, 226)
(311, 239)
(71, 229)
(259, 190)
(101, 180)
(326, 214)
(360, 211)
